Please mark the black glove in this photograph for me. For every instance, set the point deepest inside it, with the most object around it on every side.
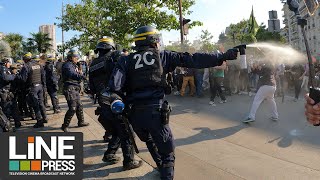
(231, 54)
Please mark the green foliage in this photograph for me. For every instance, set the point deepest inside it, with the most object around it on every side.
(5, 50)
(15, 42)
(119, 18)
(39, 42)
(264, 35)
(237, 33)
(206, 42)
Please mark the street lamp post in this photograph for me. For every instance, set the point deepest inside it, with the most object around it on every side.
(62, 31)
(181, 21)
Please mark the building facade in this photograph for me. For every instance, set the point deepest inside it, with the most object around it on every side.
(273, 22)
(51, 31)
(293, 33)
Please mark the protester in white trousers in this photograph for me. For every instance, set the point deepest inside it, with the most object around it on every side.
(265, 92)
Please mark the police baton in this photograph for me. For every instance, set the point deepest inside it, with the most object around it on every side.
(130, 132)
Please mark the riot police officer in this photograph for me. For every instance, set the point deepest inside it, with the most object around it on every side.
(52, 83)
(99, 75)
(24, 101)
(142, 76)
(33, 75)
(71, 87)
(8, 103)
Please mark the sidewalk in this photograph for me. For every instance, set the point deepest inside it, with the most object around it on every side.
(94, 147)
(213, 143)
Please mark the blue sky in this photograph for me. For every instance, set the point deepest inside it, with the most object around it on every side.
(25, 16)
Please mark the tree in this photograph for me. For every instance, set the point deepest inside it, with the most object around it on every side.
(28, 46)
(119, 18)
(15, 43)
(206, 41)
(40, 42)
(5, 50)
(264, 35)
(237, 33)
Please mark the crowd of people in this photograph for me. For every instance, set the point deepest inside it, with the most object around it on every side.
(230, 78)
(25, 87)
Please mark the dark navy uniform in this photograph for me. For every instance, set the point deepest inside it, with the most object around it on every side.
(141, 75)
(72, 78)
(99, 75)
(8, 102)
(52, 84)
(33, 74)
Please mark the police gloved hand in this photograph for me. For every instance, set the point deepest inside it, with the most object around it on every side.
(231, 54)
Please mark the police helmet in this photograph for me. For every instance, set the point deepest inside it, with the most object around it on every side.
(146, 35)
(27, 56)
(106, 43)
(19, 61)
(73, 53)
(5, 60)
(36, 58)
(50, 57)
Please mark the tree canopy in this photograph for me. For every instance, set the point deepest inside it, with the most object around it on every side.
(39, 42)
(120, 18)
(15, 42)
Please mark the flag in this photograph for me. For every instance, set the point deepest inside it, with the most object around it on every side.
(252, 27)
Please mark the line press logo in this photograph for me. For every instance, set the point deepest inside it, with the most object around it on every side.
(43, 154)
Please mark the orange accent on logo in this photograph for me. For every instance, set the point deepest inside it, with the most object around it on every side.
(31, 139)
(35, 165)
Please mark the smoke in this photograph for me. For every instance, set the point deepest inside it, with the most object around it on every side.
(277, 54)
(5, 50)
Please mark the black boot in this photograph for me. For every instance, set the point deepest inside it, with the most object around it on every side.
(66, 122)
(132, 165)
(111, 159)
(39, 124)
(56, 111)
(80, 117)
(45, 120)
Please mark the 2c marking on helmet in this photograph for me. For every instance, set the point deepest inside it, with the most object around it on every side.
(138, 57)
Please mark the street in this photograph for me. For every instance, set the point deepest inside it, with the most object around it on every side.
(213, 143)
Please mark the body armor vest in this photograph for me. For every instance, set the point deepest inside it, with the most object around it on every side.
(35, 73)
(100, 71)
(145, 70)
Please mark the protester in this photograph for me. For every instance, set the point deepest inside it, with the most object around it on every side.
(297, 74)
(216, 79)
(267, 88)
(188, 78)
(199, 81)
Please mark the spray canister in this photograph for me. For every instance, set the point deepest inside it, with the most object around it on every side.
(243, 57)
